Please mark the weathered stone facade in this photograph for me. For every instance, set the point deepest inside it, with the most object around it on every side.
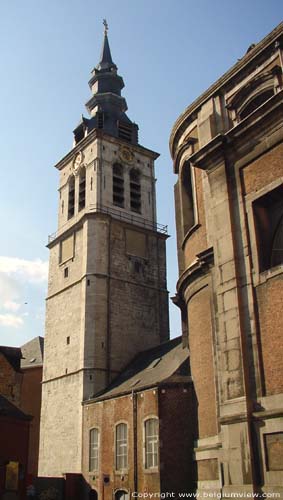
(227, 152)
(107, 297)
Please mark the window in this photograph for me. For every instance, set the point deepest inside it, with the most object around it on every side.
(82, 189)
(66, 272)
(92, 495)
(93, 449)
(135, 190)
(71, 199)
(151, 443)
(125, 131)
(255, 102)
(187, 199)
(121, 446)
(121, 495)
(268, 217)
(118, 185)
(273, 451)
(100, 119)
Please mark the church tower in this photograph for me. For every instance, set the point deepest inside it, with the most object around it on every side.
(107, 297)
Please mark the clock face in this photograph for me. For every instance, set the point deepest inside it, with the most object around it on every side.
(126, 154)
(77, 162)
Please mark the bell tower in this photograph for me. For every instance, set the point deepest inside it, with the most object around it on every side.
(107, 298)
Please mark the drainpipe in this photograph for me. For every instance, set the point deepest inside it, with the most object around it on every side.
(135, 439)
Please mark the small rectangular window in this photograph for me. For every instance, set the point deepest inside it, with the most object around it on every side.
(151, 443)
(93, 449)
(68, 340)
(121, 446)
(66, 272)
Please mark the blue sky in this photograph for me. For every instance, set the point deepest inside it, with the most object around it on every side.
(168, 52)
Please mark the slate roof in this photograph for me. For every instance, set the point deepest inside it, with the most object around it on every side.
(32, 353)
(151, 368)
(8, 409)
(13, 356)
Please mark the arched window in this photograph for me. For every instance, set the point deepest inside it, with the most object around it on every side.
(93, 449)
(121, 443)
(188, 205)
(121, 495)
(71, 197)
(255, 102)
(135, 190)
(118, 185)
(92, 495)
(252, 95)
(151, 443)
(82, 189)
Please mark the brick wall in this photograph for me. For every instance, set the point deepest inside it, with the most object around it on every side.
(105, 415)
(201, 358)
(31, 404)
(10, 381)
(177, 433)
(270, 296)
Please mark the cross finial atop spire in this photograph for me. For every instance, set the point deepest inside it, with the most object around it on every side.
(105, 26)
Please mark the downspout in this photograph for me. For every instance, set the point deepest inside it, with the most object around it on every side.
(135, 440)
(108, 346)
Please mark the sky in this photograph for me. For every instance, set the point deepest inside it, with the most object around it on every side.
(168, 53)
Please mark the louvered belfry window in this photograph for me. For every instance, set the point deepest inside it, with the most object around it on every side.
(135, 190)
(118, 185)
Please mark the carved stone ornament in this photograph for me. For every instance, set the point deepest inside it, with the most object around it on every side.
(126, 154)
(77, 162)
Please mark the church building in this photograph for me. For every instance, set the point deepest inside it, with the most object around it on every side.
(227, 149)
(107, 298)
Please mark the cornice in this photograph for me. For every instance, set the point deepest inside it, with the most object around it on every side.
(206, 157)
(198, 269)
(244, 61)
(62, 234)
(81, 145)
(100, 134)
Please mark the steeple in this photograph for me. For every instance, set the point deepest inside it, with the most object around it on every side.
(107, 107)
(106, 63)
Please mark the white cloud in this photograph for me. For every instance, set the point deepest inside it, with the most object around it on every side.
(11, 305)
(33, 271)
(11, 320)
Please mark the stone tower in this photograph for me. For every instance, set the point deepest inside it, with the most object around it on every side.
(107, 297)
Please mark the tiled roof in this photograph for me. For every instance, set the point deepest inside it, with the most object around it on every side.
(32, 353)
(151, 368)
(8, 409)
(13, 356)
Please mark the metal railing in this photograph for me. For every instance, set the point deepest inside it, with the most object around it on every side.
(117, 214)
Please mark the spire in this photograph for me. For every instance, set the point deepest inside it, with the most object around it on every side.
(105, 63)
(107, 107)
